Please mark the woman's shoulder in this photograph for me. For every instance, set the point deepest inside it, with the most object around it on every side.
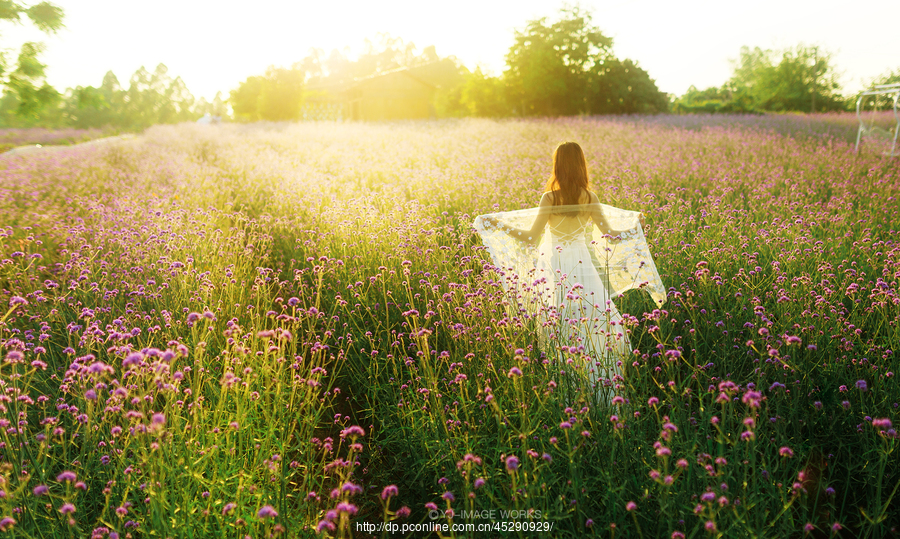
(549, 198)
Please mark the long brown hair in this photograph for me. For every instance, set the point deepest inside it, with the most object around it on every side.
(569, 178)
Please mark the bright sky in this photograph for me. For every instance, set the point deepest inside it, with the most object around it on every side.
(214, 44)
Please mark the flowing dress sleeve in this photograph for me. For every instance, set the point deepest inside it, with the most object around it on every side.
(627, 261)
(623, 261)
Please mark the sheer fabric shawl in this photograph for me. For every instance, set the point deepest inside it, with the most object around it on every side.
(563, 265)
(601, 238)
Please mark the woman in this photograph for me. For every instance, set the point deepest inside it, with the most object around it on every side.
(566, 278)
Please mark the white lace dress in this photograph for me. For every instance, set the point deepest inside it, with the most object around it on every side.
(568, 277)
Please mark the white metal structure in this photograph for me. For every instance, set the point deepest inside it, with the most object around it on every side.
(881, 89)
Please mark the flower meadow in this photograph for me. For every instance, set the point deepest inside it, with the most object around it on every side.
(10, 138)
(291, 330)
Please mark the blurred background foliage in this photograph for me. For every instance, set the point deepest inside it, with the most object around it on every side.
(800, 78)
(25, 78)
(560, 66)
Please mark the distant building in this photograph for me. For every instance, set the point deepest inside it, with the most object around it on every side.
(318, 109)
(395, 95)
(324, 102)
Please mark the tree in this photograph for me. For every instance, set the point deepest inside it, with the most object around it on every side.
(795, 79)
(550, 65)
(87, 107)
(391, 53)
(276, 96)
(889, 77)
(218, 107)
(281, 94)
(568, 67)
(448, 102)
(711, 100)
(26, 81)
(151, 98)
(449, 76)
(483, 95)
(97, 107)
(328, 77)
(154, 98)
(387, 53)
(244, 99)
(177, 103)
(622, 87)
(877, 102)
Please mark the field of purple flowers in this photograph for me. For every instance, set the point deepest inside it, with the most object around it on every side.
(11, 138)
(292, 330)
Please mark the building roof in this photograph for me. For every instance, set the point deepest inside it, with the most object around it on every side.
(393, 72)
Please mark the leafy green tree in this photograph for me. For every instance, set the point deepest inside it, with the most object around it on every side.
(622, 87)
(449, 76)
(281, 94)
(551, 65)
(329, 76)
(151, 98)
(483, 95)
(567, 67)
(387, 53)
(177, 103)
(87, 107)
(391, 53)
(25, 81)
(96, 107)
(801, 78)
(877, 102)
(889, 77)
(448, 102)
(216, 107)
(245, 98)
(710, 100)
(276, 96)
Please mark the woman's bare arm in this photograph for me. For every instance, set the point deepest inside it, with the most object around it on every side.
(527, 236)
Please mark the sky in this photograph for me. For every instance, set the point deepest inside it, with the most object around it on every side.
(214, 45)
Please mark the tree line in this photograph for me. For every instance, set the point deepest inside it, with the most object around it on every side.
(28, 100)
(795, 79)
(150, 98)
(554, 67)
(562, 68)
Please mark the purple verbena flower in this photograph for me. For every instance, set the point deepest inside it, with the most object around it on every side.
(353, 431)
(267, 511)
(66, 476)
